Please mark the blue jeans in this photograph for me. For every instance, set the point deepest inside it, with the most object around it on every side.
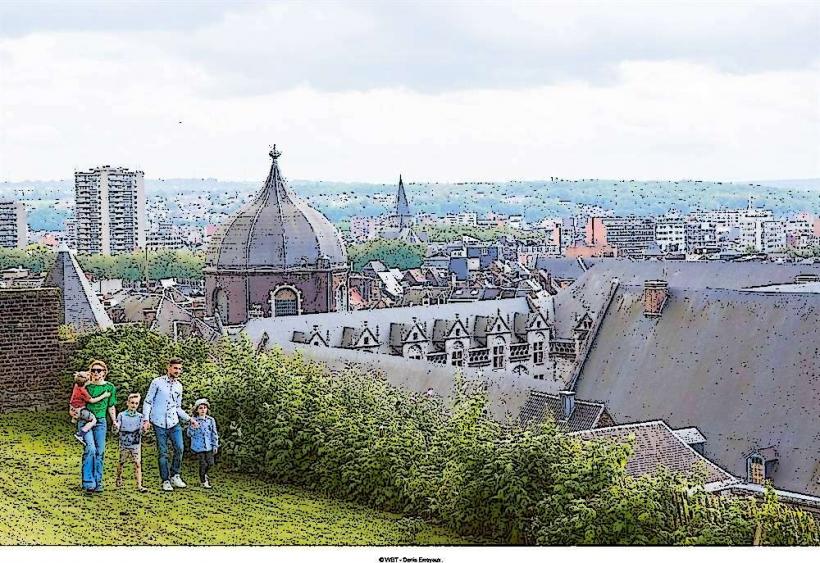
(174, 434)
(93, 455)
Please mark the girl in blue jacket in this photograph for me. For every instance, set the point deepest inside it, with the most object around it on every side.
(204, 440)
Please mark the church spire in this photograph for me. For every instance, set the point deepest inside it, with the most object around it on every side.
(403, 215)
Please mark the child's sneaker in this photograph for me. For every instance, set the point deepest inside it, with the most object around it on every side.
(80, 437)
(166, 486)
(119, 483)
(206, 484)
(142, 490)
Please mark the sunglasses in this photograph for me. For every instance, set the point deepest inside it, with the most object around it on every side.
(97, 370)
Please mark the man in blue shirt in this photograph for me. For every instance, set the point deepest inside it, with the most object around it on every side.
(162, 409)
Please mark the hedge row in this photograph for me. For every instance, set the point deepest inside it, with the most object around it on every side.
(353, 436)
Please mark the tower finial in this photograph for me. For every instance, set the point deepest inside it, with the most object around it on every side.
(274, 154)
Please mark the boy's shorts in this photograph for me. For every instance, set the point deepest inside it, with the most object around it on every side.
(130, 454)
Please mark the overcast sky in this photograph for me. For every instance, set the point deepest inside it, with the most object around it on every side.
(365, 91)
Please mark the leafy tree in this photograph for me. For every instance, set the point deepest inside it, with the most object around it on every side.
(13, 258)
(135, 266)
(453, 233)
(392, 253)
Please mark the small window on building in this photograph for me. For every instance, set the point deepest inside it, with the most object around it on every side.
(498, 357)
(538, 352)
(457, 355)
(756, 470)
(414, 353)
(458, 332)
(366, 340)
(285, 303)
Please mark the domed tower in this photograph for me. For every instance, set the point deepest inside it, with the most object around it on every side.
(276, 256)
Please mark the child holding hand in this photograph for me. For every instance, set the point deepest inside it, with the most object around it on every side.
(130, 429)
(204, 440)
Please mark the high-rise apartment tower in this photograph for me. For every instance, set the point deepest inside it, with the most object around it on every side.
(109, 209)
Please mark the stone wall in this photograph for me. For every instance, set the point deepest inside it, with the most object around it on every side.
(32, 358)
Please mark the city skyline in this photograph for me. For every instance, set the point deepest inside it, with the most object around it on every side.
(530, 91)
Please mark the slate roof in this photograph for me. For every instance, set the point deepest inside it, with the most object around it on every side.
(690, 435)
(589, 292)
(81, 307)
(744, 367)
(657, 446)
(416, 295)
(276, 231)
(561, 268)
(584, 416)
(172, 318)
(458, 266)
(699, 274)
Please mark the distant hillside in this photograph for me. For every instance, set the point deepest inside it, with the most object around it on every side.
(810, 183)
(535, 199)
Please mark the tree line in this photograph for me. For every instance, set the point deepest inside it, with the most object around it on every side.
(135, 266)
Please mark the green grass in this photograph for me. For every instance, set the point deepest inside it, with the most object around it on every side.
(42, 502)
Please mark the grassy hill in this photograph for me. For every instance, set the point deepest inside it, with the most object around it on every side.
(43, 503)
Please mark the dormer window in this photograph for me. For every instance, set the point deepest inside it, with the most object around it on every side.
(761, 465)
(756, 469)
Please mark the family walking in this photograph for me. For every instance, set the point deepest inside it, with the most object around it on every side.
(93, 398)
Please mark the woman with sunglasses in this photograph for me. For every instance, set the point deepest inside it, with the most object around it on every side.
(94, 453)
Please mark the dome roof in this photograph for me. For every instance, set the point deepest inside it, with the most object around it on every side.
(276, 231)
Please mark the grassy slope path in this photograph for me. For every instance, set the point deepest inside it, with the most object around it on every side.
(42, 503)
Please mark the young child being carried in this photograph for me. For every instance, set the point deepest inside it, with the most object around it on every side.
(76, 405)
(204, 440)
(130, 429)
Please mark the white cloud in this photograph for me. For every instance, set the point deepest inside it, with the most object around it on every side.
(360, 93)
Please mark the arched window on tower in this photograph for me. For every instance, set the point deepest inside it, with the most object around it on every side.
(284, 302)
(341, 298)
(221, 304)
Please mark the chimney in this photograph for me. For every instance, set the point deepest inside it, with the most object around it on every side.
(567, 403)
(655, 293)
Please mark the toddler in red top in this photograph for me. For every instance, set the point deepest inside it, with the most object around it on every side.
(79, 399)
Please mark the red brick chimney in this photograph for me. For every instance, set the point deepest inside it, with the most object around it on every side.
(655, 293)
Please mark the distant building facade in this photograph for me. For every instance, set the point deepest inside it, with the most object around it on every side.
(670, 233)
(13, 224)
(629, 235)
(109, 210)
(163, 235)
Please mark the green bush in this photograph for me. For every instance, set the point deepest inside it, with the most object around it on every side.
(351, 435)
